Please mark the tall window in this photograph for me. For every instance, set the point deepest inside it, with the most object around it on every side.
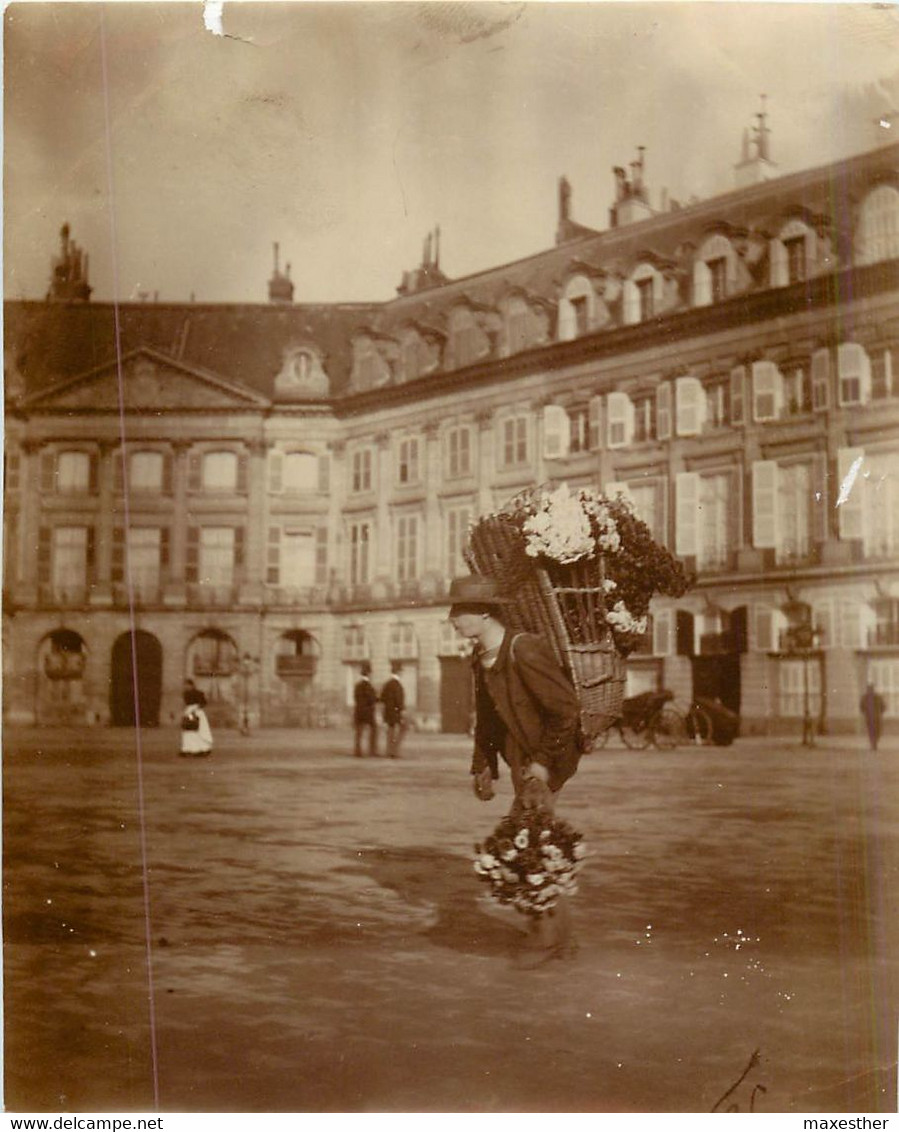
(145, 471)
(300, 472)
(71, 547)
(514, 449)
(361, 474)
(458, 520)
(298, 558)
(854, 370)
(714, 517)
(407, 548)
(220, 471)
(645, 417)
(355, 644)
(579, 429)
(458, 452)
(217, 556)
(73, 471)
(407, 462)
(795, 249)
(793, 677)
(144, 556)
(793, 501)
(360, 553)
(718, 403)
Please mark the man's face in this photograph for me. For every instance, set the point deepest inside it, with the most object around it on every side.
(468, 625)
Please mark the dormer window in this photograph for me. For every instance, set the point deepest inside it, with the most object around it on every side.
(792, 253)
(468, 342)
(714, 271)
(576, 309)
(643, 294)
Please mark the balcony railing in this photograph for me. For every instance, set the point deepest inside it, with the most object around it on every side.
(295, 665)
(885, 635)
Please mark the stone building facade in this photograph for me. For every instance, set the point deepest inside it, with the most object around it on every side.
(262, 496)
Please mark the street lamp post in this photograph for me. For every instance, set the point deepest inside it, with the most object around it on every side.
(248, 667)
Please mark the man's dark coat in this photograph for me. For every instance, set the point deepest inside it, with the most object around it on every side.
(527, 711)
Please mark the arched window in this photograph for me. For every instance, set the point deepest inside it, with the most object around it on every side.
(877, 237)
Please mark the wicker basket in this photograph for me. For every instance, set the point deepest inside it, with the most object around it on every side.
(570, 617)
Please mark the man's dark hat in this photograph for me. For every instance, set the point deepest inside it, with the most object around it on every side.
(472, 589)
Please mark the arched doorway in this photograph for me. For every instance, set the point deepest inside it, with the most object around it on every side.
(135, 686)
(60, 693)
(296, 662)
(214, 666)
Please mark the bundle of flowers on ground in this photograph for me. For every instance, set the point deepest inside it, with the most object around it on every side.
(601, 559)
(530, 860)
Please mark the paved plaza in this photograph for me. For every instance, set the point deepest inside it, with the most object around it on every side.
(308, 934)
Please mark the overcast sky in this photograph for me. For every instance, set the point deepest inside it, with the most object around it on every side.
(346, 131)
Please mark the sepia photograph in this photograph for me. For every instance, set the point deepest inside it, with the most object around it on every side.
(503, 396)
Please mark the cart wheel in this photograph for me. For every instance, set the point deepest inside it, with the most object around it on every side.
(699, 726)
(637, 740)
(669, 729)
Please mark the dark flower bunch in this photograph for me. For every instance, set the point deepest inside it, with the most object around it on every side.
(530, 860)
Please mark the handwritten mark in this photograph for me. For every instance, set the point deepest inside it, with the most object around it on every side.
(734, 1107)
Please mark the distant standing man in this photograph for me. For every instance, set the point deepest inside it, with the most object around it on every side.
(873, 708)
(365, 698)
(393, 705)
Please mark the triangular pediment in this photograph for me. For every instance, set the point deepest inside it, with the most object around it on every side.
(149, 381)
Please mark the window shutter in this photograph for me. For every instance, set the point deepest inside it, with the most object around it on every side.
(275, 472)
(780, 274)
(165, 539)
(702, 284)
(820, 379)
(90, 554)
(822, 618)
(118, 471)
(168, 473)
(690, 406)
(595, 423)
(48, 473)
(660, 531)
(764, 504)
(850, 509)
(324, 474)
(687, 503)
(620, 422)
(93, 473)
(631, 303)
(242, 476)
(738, 395)
(767, 391)
(819, 525)
(556, 433)
(239, 541)
(763, 623)
(663, 411)
(273, 557)
(192, 558)
(661, 632)
(44, 555)
(195, 471)
(321, 555)
(117, 569)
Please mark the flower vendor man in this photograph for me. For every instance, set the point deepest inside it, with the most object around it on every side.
(527, 713)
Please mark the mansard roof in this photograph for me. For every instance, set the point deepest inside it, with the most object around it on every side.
(245, 343)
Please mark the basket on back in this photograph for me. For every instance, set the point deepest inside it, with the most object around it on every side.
(565, 606)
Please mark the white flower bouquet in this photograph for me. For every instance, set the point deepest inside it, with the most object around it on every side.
(530, 860)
